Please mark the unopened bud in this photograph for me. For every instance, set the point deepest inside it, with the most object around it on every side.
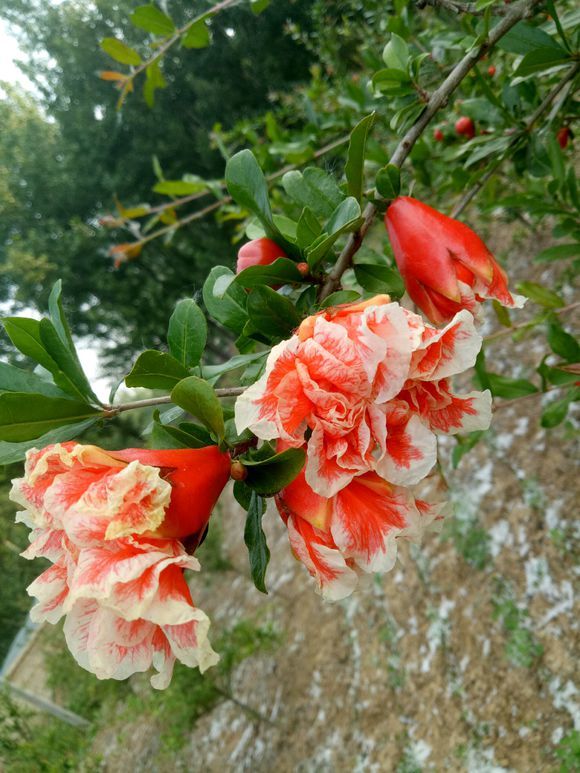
(238, 471)
(303, 268)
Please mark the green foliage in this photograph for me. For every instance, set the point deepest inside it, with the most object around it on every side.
(568, 752)
(471, 540)
(198, 398)
(521, 647)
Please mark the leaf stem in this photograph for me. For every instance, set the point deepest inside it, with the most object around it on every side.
(509, 330)
(114, 410)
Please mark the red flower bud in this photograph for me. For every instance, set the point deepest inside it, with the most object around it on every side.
(465, 125)
(258, 252)
(238, 470)
(491, 70)
(197, 477)
(438, 135)
(445, 265)
(563, 136)
(303, 268)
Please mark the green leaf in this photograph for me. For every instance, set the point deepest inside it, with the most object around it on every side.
(541, 59)
(154, 80)
(394, 83)
(379, 279)
(307, 229)
(541, 295)
(187, 435)
(555, 413)
(464, 445)
(559, 252)
(197, 36)
(228, 308)
(555, 376)
(25, 416)
(354, 168)
(255, 540)
(340, 297)
(388, 182)
(67, 362)
(213, 372)
(509, 388)
(282, 271)
(258, 6)
(314, 189)
(198, 398)
(396, 53)
(17, 380)
(272, 314)
(58, 318)
(346, 217)
(179, 187)
(120, 51)
(525, 37)
(268, 476)
(15, 452)
(247, 185)
(187, 333)
(24, 333)
(156, 370)
(153, 20)
(562, 343)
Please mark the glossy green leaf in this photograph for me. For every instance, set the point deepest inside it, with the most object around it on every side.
(16, 452)
(559, 252)
(187, 333)
(541, 59)
(271, 313)
(258, 6)
(396, 53)
(14, 379)
(281, 271)
(25, 416)
(271, 475)
(509, 388)
(562, 343)
(154, 79)
(197, 36)
(388, 182)
(198, 398)
(340, 297)
(247, 185)
(540, 295)
(153, 20)
(525, 37)
(228, 308)
(307, 229)
(379, 279)
(554, 413)
(66, 360)
(315, 189)
(156, 370)
(255, 540)
(354, 168)
(120, 51)
(179, 187)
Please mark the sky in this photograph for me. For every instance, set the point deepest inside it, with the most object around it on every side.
(9, 51)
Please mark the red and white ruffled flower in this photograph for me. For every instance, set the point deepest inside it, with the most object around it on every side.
(356, 530)
(353, 377)
(107, 522)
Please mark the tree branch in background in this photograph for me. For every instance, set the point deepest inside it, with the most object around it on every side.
(522, 325)
(530, 123)
(457, 7)
(114, 410)
(438, 99)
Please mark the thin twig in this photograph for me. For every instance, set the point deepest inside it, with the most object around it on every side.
(439, 99)
(456, 7)
(114, 410)
(201, 213)
(532, 120)
(509, 330)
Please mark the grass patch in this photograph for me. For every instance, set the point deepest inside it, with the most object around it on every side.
(521, 647)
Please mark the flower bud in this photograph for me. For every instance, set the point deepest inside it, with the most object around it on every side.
(258, 252)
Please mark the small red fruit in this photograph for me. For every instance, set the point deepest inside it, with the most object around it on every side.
(438, 135)
(303, 268)
(465, 125)
(238, 471)
(258, 252)
(491, 70)
(563, 136)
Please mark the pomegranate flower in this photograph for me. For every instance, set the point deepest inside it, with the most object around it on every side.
(445, 265)
(354, 531)
(347, 377)
(109, 522)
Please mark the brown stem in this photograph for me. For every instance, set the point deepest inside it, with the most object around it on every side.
(114, 410)
(509, 330)
(530, 123)
(438, 99)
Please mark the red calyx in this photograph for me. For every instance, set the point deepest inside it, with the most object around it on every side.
(197, 477)
(438, 135)
(258, 252)
(465, 126)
